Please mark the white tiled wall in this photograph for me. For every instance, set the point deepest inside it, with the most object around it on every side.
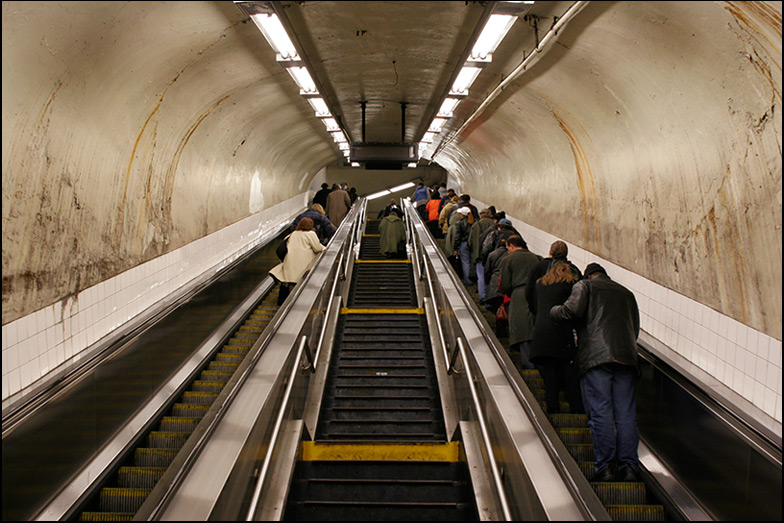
(57, 336)
(746, 361)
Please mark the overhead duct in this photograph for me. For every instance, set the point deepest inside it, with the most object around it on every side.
(384, 155)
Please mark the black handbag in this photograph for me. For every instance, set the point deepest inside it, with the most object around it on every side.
(283, 249)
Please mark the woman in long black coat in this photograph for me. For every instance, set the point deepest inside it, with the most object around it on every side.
(553, 347)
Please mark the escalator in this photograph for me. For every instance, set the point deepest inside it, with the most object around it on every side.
(130, 485)
(624, 501)
(381, 449)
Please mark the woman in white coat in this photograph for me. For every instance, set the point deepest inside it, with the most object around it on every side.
(303, 249)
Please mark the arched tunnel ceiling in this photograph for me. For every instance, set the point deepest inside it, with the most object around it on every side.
(648, 133)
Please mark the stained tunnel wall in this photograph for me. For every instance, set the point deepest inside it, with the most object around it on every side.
(649, 135)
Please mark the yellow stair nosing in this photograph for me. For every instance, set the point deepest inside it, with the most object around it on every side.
(382, 261)
(426, 451)
(401, 310)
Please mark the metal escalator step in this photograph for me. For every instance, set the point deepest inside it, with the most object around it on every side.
(178, 424)
(225, 366)
(386, 490)
(215, 375)
(378, 402)
(381, 381)
(636, 512)
(253, 329)
(236, 349)
(230, 357)
(582, 452)
(189, 410)
(615, 493)
(106, 516)
(241, 342)
(139, 477)
(243, 335)
(571, 435)
(208, 386)
(115, 499)
(393, 370)
(154, 457)
(391, 414)
(568, 420)
(167, 440)
(341, 511)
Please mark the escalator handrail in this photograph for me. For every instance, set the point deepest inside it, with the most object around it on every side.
(480, 416)
(339, 276)
(450, 362)
(254, 502)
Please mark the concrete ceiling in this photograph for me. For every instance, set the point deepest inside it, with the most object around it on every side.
(384, 53)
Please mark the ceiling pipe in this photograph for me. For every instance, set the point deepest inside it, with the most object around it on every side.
(403, 122)
(532, 58)
(364, 105)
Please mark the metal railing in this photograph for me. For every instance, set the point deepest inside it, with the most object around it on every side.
(480, 416)
(276, 430)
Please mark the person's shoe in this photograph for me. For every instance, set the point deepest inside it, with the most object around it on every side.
(627, 473)
(604, 475)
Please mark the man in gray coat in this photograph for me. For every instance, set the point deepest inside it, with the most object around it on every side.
(608, 324)
(515, 270)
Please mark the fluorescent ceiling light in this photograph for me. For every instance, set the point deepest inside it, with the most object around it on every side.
(346, 153)
(319, 106)
(331, 124)
(412, 165)
(406, 185)
(464, 79)
(448, 107)
(354, 164)
(437, 124)
(428, 137)
(344, 146)
(276, 35)
(302, 77)
(338, 136)
(378, 194)
(494, 31)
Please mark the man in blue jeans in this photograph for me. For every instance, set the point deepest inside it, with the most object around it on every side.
(608, 324)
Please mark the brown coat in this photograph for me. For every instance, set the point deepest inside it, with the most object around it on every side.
(338, 205)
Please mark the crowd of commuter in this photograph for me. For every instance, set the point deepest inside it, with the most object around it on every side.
(579, 331)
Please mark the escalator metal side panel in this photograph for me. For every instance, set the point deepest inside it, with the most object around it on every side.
(732, 469)
(445, 388)
(65, 502)
(542, 494)
(223, 468)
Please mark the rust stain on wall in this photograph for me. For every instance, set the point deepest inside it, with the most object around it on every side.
(586, 185)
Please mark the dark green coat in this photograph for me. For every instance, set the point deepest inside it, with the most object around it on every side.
(393, 234)
(515, 270)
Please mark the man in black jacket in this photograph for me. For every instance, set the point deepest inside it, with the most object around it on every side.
(608, 324)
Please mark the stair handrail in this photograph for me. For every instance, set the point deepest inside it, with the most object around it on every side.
(276, 430)
(480, 416)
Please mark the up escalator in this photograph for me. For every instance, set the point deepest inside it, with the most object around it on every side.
(624, 501)
(381, 448)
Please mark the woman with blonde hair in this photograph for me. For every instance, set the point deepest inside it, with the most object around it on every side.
(303, 249)
(553, 347)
